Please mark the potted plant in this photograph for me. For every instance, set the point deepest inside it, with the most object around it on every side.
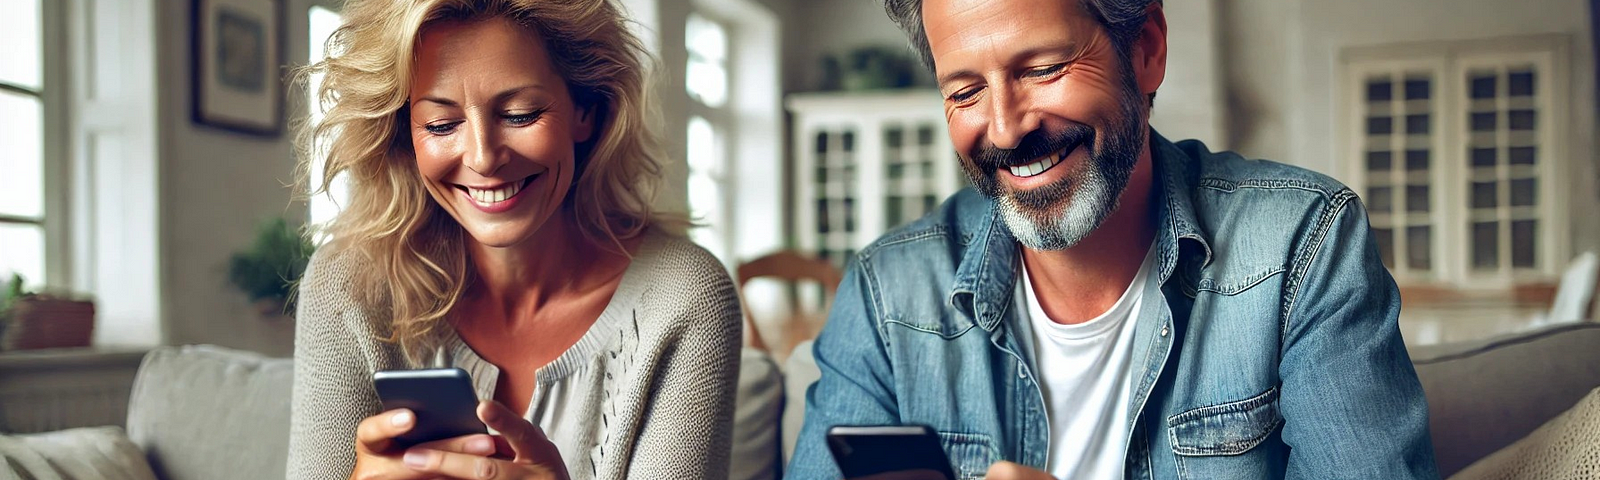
(32, 320)
(268, 271)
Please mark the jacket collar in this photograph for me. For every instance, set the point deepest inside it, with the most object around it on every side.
(987, 274)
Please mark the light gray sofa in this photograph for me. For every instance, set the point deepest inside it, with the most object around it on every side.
(200, 412)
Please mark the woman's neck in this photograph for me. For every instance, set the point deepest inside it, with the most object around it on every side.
(555, 263)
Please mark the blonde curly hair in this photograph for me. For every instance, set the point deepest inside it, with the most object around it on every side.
(412, 251)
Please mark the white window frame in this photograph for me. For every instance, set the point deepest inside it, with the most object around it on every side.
(1450, 62)
(725, 135)
(53, 220)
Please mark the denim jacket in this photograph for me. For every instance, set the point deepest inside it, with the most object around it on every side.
(1267, 347)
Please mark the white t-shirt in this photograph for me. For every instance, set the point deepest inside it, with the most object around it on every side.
(1084, 373)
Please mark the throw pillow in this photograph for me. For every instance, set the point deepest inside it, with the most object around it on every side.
(1567, 446)
(77, 454)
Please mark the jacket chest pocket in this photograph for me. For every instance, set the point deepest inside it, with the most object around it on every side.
(970, 454)
(1220, 441)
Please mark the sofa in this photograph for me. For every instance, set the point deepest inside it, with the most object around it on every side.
(202, 412)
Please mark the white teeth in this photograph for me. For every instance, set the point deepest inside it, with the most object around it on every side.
(1040, 166)
(490, 197)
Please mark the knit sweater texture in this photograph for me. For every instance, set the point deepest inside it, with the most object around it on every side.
(647, 392)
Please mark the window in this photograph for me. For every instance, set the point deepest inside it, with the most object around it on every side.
(1456, 152)
(23, 196)
(706, 81)
(322, 22)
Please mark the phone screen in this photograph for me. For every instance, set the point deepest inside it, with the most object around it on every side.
(891, 452)
(442, 398)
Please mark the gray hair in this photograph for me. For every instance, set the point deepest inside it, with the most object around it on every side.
(1122, 20)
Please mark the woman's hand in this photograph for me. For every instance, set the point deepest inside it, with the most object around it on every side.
(522, 452)
(377, 456)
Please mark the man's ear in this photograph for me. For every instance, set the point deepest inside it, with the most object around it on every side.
(1150, 50)
(583, 128)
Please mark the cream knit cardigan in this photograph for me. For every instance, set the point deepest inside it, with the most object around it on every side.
(664, 360)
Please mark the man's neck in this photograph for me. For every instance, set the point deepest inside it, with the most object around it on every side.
(1077, 284)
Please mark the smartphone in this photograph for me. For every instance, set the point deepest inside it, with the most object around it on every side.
(898, 451)
(442, 398)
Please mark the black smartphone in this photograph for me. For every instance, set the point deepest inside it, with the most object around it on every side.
(442, 398)
(899, 452)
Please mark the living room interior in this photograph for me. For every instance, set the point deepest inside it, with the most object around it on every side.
(149, 212)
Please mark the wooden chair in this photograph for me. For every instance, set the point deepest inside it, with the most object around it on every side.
(794, 268)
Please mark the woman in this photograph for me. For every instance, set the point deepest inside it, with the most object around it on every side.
(499, 218)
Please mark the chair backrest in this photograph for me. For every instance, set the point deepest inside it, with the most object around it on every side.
(791, 267)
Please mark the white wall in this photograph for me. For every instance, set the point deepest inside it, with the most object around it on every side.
(216, 187)
(814, 29)
(1189, 102)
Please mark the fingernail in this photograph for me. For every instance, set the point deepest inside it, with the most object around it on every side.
(481, 445)
(416, 459)
(401, 419)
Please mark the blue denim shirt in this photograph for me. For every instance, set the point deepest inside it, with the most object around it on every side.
(1267, 348)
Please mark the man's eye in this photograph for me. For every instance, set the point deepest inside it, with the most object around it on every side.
(441, 128)
(521, 119)
(961, 96)
(1045, 71)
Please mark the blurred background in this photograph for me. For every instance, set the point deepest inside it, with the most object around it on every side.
(148, 163)
(147, 174)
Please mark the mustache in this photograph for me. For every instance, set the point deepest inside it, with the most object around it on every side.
(1035, 144)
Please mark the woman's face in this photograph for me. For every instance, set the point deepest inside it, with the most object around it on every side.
(493, 127)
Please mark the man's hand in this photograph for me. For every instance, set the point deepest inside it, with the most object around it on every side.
(1012, 471)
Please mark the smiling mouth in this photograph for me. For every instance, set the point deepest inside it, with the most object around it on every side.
(1042, 164)
(498, 194)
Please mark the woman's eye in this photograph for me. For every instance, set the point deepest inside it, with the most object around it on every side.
(441, 128)
(521, 119)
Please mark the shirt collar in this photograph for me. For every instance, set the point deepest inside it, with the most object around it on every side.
(987, 274)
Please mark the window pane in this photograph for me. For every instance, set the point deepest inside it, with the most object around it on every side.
(1416, 89)
(1524, 243)
(1416, 160)
(702, 147)
(1521, 119)
(707, 73)
(1483, 195)
(1380, 125)
(1417, 124)
(20, 62)
(1483, 85)
(23, 245)
(1380, 199)
(1378, 162)
(1484, 157)
(1523, 155)
(1485, 245)
(22, 186)
(1483, 122)
(1419, 247)
(1524, 192)
(1521, 84)
(1417, 198)
(1380, 90)
(1385, 239)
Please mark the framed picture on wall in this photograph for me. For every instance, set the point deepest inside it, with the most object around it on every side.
(235, 67)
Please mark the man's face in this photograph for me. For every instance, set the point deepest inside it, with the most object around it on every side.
(1048, 119)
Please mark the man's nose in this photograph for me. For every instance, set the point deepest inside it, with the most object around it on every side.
(484, 154)
(1010, 118)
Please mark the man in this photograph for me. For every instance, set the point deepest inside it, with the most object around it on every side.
(1105, 303)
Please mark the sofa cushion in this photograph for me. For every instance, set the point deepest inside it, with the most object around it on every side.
(1565, 447)
(755, 418)
(799, 372)
(92, 453)
(206, 412)
(1485, 395)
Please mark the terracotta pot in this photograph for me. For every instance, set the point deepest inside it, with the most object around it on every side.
(44, 322)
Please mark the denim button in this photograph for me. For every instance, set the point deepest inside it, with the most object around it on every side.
(1163, 330)
(1022, 374)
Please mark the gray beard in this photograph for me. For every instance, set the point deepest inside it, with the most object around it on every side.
(1060, 228)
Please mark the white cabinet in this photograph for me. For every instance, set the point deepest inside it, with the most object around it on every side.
(865, 163)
